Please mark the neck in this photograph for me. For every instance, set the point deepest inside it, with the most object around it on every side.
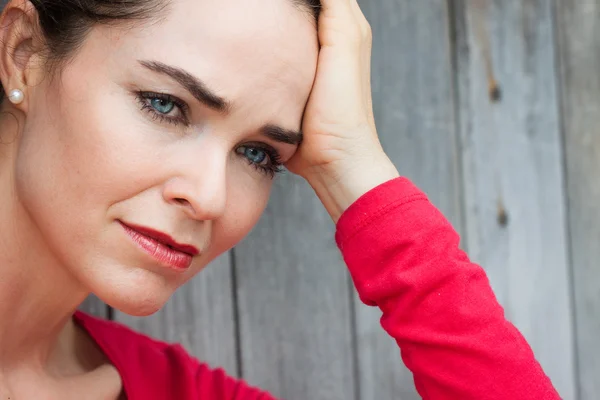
(37, 294)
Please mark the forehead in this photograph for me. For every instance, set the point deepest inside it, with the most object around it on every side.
(255, 53)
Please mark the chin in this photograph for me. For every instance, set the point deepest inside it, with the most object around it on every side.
(137, 293)
(137, 307)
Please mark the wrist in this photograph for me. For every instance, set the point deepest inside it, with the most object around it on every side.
(339, 186)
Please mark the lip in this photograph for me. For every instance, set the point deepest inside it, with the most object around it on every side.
(161, 246)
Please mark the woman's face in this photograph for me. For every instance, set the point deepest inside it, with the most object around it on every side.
(173, 126)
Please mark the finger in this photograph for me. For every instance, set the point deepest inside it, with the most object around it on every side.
(335, 6)
(326, 4)
(347, 17)
(366, 33)
(359, 16)
(339, 15)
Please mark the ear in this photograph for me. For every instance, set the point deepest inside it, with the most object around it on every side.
(18, 27)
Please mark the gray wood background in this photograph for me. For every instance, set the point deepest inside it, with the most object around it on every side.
(493, 108)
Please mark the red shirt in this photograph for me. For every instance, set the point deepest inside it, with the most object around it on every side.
(404, 258)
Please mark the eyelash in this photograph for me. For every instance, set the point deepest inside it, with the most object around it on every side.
(143, 98)
(274, 166)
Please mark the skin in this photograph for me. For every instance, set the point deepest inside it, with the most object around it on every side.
(83, 153)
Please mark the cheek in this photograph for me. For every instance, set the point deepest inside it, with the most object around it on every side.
(51, 170)
(52, 186)
(77, 156)
(247, 198)
(94, 148)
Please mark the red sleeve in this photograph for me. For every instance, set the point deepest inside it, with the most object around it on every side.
(404, 258)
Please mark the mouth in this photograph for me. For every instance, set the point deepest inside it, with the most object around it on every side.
(161, 246)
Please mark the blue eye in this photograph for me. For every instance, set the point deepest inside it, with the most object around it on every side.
(253, 154)
(266, 160)
(163, 106)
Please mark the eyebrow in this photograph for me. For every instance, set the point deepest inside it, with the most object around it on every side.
(200, 91)
(195, 86)
(282, 135)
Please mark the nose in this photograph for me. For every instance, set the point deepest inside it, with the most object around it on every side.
(200, 187)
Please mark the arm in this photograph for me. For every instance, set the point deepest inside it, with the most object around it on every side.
(402, 253)
(404, 258)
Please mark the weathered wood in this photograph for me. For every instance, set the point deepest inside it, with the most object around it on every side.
(578, 23)
(294, 300)
(414, 108)
(200, 316)
(512, 165)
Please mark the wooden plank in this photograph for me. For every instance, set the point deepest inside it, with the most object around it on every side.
(578, 23)
(415, 113)
(294, 300)
(512, 165)
(200, 316)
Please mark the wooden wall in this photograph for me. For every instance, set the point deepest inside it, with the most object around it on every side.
(578, 43)
(493, 108)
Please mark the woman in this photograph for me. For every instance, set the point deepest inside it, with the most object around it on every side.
(139, 141)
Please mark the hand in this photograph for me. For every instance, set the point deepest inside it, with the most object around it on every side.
(341, 156)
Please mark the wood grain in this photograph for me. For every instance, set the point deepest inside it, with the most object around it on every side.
(578, 23)
(513, 175)
(294, 300)
(414, 108)
(200, 316)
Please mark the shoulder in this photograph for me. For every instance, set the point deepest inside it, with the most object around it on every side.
(153, 369)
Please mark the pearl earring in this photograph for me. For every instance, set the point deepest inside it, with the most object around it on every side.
(16, 96)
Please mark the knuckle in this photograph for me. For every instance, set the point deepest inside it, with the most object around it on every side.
(366, 30)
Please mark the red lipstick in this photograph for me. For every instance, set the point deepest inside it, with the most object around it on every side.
(161, 246)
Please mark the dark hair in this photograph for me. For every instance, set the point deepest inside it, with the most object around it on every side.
(64, 24)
